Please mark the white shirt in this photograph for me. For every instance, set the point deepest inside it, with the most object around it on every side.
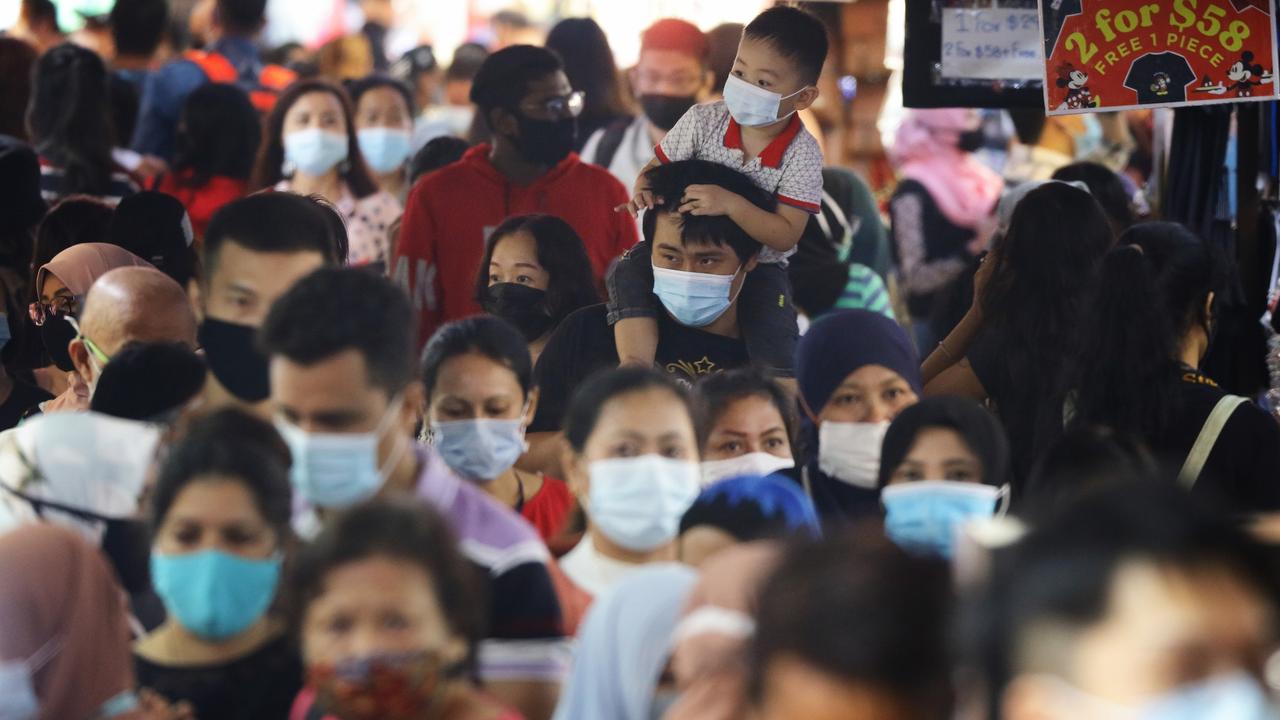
(591, 570)
(634, 152)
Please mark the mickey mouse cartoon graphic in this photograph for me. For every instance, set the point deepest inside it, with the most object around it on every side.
(1160, 84)
(1076, 81)
(1241, 74)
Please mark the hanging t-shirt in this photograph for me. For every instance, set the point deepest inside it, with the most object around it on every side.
(584, 343)
(1160, 78)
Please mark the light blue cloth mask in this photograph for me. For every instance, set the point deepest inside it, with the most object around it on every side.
(315, 151)
(214, 594)
(384, 149)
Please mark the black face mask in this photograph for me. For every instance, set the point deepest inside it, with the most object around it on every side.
(546, 142)
(520, 305)
(57, 333)
(665, 110)
(234, 359)
(972, 140)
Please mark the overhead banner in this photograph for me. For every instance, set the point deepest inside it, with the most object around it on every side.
(1126, 54)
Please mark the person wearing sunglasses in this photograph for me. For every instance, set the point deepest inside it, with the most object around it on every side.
(532, 110)
(62, 285)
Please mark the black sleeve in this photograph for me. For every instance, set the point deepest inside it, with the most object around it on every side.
(984, 359)
(1258, 480)
(582, 343)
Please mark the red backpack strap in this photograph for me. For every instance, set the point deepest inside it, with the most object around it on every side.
(215, 66)
(276, 77)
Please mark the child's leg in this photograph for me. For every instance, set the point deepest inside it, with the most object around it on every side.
(768, 319)
(631, 307)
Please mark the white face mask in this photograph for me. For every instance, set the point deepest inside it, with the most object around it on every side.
(753, 106)
(637, 502)
(756, 463)
(850, 452)
(335, 470)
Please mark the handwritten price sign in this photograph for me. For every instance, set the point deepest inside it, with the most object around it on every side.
(1118, 54)
(991, 44)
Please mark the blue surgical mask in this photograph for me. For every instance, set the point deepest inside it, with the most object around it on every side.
(751, 105)
(693, 299)
(315, 151)
(214, 594)
(637, 502)
(384, 149)
(925, 516)
(481, 449)
(337, 470)
(1238, 696)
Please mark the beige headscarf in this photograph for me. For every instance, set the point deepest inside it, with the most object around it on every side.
(80, 265)
(58, 596)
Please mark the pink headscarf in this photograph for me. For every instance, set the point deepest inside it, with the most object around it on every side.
(925, 150)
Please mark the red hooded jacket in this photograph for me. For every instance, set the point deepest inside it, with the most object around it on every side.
(450, 213)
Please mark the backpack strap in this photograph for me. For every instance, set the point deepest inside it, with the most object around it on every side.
(216, 66)
(611, 141)
(1207, 439)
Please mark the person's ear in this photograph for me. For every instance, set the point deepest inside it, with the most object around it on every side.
(1029, 698)
(708, 82)
(193, 294)
(575, 472)
(751, 264)
(80, 359)
(532, 410)
(455, 650)
(806, 98)
(503, 121)
(413, 406)
(1208, 309)
(633, 79)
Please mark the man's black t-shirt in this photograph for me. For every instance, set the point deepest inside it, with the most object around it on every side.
(1176, 72)
(1243, 470)
(584, 343)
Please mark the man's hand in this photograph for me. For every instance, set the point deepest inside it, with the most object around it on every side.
(643, 200)
(708, 200)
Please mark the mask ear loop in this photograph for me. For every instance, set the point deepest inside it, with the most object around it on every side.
(402, 443)
(1004, 496)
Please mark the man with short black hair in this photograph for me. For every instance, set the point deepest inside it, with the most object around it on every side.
(526, 100)
(343, 386)
(232, 57)
(256, 248)
(695, 338)
(671, 76)
(137, 27)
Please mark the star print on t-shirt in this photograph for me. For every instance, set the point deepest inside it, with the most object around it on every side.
(1142, 78)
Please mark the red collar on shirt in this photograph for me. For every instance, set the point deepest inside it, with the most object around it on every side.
(771, 156)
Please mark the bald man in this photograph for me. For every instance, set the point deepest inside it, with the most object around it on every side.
(125, 305)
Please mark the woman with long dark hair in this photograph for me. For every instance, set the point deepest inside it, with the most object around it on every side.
(311, 149)
(588, 61)
(535, 271)
(218, 137)
(1137, 369)
(1029, 298)
(69, 121)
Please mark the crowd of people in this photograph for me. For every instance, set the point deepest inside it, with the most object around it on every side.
(542, 389)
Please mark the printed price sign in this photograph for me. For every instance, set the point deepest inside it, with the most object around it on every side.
(1124, 54)
(991, 44)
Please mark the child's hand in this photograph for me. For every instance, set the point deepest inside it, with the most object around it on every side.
(708, 200)
(643, 200)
